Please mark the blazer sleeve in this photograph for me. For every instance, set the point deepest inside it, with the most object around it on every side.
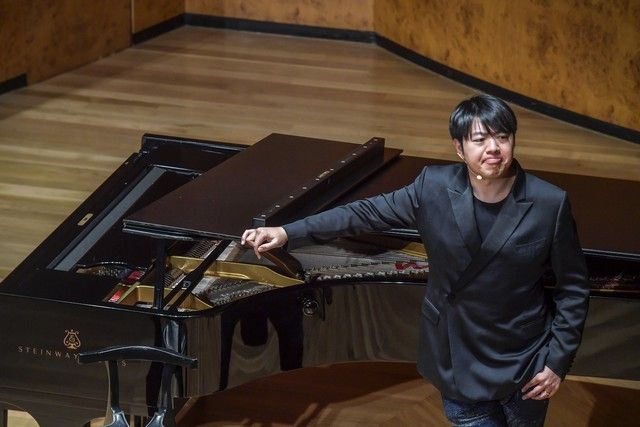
(571, 294)
(396, 209)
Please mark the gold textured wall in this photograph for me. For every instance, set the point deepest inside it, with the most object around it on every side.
(43, 38)
(64, 34)
(581, 55)
(12, 40)
(346, 14)
(147, 13)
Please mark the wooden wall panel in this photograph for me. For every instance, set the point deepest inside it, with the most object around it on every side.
(12, 39)
(347, 14)
(147, 13)
(580, 55)
(64, 34)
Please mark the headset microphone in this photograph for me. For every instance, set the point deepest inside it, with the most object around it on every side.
(478, 176)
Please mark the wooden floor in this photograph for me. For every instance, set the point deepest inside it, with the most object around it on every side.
(385, 395)
(61, 138)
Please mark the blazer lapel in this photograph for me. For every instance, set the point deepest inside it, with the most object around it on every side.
(512, 212)
(461, 197)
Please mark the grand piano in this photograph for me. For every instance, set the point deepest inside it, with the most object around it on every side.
(152, 259)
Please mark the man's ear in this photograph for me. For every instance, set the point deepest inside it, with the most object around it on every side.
(457, 145)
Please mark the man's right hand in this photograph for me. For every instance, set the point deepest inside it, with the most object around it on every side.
(263, 239)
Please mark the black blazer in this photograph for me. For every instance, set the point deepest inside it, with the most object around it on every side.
(486, 328)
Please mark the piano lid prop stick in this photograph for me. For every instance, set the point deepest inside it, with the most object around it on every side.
(192, 279)
(160, 268)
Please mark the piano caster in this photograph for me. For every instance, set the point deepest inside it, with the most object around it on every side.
(117, 417)
(162, 418)
(309, 306)
(164, 415)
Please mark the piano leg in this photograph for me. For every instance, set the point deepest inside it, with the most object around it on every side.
(4, 415)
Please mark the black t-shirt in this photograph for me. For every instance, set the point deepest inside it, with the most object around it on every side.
(486, 214)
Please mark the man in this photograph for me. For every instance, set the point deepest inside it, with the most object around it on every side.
(490, 341)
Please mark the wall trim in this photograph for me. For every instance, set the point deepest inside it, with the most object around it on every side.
(278, 28)
(13, 83)
(158, 29)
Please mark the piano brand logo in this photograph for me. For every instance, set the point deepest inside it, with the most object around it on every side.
(72, 340)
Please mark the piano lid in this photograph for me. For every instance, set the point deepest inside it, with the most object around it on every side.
(277, 180)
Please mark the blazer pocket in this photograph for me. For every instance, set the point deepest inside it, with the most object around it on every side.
(531, 247)
(534, 327)
(532, 250)
(430, 311)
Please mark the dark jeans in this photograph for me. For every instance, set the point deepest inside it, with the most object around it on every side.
(511, 411)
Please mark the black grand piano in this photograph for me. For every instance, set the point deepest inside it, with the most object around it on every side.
(151, 261)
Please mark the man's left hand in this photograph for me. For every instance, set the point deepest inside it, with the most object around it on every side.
(544, 385)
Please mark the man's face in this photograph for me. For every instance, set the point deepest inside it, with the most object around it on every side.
(486, 153)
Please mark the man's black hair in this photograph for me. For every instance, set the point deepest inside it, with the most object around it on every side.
(492, 112)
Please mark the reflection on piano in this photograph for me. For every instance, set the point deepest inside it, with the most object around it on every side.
(151, 259)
